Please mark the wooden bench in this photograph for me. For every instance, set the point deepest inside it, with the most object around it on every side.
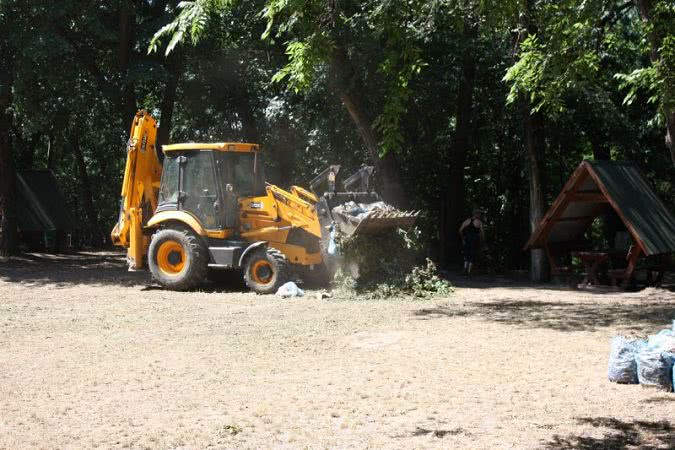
(625, 275)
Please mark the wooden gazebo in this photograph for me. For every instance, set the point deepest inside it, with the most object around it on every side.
(595, 188)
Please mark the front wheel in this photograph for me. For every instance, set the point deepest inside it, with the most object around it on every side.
(178, 259)
(265, 270)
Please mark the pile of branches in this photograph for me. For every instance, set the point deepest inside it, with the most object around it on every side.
(387, 265)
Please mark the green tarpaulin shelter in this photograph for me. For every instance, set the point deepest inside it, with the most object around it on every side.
(42, 213)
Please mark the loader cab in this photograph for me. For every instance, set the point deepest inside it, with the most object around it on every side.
(206, 180)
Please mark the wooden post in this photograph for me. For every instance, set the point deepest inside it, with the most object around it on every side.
(633, 257)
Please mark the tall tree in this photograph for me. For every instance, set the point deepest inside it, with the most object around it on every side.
(535, 144)
(453, 198)
(8, 220)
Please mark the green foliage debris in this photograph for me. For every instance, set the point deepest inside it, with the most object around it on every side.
(387, 265)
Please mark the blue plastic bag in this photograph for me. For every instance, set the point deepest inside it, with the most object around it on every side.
(655, 368)
(664, 340)
(622, 366)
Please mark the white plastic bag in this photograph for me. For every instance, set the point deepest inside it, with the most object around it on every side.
(290, 289)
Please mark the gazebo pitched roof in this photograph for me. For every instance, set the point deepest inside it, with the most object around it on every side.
(596, 185)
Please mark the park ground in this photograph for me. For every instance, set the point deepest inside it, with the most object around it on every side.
(92, 356)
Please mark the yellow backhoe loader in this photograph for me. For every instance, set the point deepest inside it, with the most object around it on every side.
(208, 206)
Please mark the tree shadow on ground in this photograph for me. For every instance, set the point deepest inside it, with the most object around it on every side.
(419, 431)
(506, 282)
(97, 269)
(638, 317)
(668, 398)
(618, 435)
(63, 270)
(438, 312)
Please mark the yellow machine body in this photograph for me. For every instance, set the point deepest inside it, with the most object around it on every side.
(272, 219)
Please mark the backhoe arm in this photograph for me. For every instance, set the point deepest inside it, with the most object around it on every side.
(140, 189)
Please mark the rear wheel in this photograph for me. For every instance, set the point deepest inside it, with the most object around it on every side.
(265, 270)
(178, 259)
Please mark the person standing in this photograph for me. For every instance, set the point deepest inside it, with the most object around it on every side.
(472, 234)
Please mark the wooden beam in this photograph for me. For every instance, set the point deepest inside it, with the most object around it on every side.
(558, 207)
(589, 198)
(575, 218)
(632, 262)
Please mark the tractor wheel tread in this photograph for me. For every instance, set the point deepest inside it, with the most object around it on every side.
(196, 255)
(280, 265)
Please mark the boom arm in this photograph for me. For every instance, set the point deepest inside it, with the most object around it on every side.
(140, 189)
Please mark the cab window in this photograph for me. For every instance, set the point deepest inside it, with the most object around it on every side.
(169, 184)
(244, 172)
(199, 186)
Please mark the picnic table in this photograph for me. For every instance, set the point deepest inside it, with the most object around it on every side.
(592, 262)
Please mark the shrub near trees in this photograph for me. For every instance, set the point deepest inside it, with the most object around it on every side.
(456, 103)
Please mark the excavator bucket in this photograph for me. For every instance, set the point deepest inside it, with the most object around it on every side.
(353, 208)
(371, 219)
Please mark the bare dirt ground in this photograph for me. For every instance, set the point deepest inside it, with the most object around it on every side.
(90, 356)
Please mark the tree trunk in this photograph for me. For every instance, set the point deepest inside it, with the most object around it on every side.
(534, 146)
(167, 106)
(601, 151)
(29, 150)
(86, 194)
(285, 152)
(670, 133)
(249, 124)
(9, 244)
(386, 166)
(453, 198)
(124, 49)
(51, 160)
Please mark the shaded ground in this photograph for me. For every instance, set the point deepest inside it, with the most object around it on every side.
(93, 357)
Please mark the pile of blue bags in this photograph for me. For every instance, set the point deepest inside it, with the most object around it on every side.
(645, 361)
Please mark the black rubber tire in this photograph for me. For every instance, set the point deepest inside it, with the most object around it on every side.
(196, 261)
(279, 265)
